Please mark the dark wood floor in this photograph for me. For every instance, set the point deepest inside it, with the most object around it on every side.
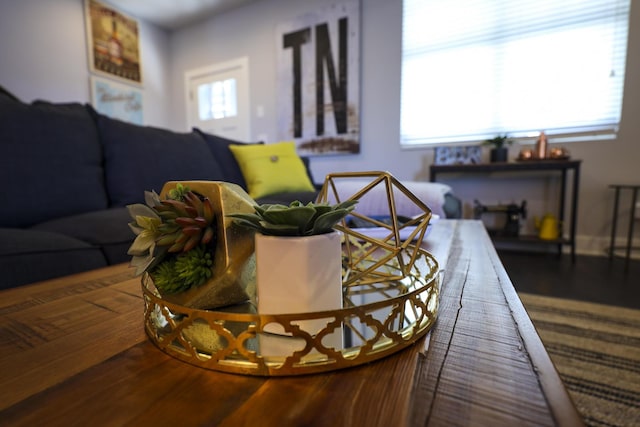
(591, 278)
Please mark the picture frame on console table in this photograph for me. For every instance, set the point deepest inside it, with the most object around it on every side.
(113, 42)
(116, 100)
(466, 155)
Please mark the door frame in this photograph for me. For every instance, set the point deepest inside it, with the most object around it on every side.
(242, 63)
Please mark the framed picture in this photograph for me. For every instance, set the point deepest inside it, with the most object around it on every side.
(318, 60)
(118, 101)
(113, 42)
(457, 155)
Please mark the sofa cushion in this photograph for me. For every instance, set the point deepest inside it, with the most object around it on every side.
(96, 228)
(219, 147)
(107, 229)
(28, 256)
(50, 162)
(144, 158)
(272, 168)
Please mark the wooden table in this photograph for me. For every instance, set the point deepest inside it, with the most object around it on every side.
(74, 352)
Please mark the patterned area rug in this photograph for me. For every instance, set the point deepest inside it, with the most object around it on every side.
(596, 350)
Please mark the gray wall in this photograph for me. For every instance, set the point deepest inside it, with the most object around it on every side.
(43, 55)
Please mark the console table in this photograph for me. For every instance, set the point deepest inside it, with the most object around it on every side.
(73, 351)
(561, 166)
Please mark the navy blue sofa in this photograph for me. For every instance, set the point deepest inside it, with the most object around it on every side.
(67, 174)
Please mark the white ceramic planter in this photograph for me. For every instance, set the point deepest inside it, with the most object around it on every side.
(299, 275)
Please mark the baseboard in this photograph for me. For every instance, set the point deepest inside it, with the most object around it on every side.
(599, 246)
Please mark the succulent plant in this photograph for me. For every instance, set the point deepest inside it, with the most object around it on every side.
(174, 239)
(178, 193)
(184, 271)
(498, 141)
(296, 219)
(185, 223)
(146, 226)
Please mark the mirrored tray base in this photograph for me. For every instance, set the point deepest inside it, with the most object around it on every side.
(377, 320)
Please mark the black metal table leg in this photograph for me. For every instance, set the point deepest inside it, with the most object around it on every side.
(632, 221)
(614, 224)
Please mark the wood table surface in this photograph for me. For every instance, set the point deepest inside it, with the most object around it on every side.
(74, 352)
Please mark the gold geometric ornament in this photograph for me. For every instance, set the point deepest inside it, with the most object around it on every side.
(382, 190)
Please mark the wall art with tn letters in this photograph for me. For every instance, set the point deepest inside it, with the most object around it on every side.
(318, 80)
(113, 42)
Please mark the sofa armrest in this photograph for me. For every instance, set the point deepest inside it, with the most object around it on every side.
(437, 196)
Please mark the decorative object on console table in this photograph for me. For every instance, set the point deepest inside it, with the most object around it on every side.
(457, 155)
(512, 212)
(549, 228)
(499, 152)
(542, 151)
(541, 146)
(559, 153)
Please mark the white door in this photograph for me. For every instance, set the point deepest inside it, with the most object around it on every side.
(218, 99)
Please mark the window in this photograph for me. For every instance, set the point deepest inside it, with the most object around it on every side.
(478, 68)
(217, 100)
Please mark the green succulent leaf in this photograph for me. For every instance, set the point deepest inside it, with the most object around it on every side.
(142, 244)
(246, 220)
(151, 198)
(297, 215)
(280, 229)
(167, 229)
(141, 263)
(326, 221)
(139, 209)
(194, 267)
(296, 219)
(178, 193)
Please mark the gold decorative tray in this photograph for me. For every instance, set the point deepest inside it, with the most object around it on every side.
(378, 318)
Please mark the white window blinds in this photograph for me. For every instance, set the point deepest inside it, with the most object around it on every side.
(473, 69)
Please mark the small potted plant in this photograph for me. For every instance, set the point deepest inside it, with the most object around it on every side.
(499, 152)
(298, 258)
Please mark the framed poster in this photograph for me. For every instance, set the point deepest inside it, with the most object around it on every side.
(118, 101)
(113, 42)
(318, 79)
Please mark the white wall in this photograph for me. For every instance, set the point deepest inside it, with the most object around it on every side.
(43, 55)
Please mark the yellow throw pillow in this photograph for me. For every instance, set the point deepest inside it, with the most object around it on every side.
(271, 168)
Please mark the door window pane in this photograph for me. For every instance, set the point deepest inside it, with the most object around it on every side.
(217, 100)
